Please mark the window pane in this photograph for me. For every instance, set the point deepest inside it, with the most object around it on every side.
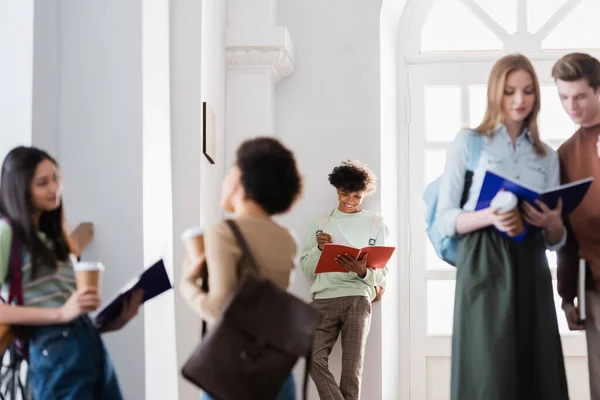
(442, 30)
(554, 121)
(504, 12)
(477, 104)
(435, 160)
(442, 113)
(539, 11)
(440, 307)
(579, 30)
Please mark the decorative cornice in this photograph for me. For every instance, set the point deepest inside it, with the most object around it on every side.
(258, 49)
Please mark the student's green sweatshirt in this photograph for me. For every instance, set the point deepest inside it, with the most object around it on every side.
(357, 230)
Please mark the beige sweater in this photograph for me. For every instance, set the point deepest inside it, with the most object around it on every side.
(273, 247)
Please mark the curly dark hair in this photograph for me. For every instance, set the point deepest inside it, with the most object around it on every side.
(353, 176)
(269, 174)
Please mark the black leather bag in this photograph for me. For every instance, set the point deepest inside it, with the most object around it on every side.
(252, 348)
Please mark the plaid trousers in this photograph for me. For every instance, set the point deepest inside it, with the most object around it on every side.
(350, 316)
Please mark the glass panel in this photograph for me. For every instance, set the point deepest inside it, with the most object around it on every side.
(553, 120)
(442, 113)
(477, 104)
(539, 11)
(579, 30)
(435, 160)
(440, 307)
(504, 12)
(441, 32)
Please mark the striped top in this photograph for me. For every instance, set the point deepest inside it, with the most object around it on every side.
(52, 286)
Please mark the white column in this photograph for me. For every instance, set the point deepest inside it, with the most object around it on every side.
(161, 367)
(16, 73)
(259, 56)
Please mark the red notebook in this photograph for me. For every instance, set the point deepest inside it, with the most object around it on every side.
(377, 257)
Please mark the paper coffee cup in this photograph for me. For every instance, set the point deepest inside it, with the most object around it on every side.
(193, 240)
(87, 274)
(506, 202)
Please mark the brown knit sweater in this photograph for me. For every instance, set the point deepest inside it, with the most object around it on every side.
(579, 159)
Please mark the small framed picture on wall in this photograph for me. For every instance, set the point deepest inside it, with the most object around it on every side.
(209, 140)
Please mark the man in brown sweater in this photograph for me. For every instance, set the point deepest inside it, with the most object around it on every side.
(577, 78)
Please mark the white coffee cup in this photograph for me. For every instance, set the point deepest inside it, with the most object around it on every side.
(88, 274)
(193, 240)
(506, 202)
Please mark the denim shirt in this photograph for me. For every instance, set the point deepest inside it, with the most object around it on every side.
(498, 154)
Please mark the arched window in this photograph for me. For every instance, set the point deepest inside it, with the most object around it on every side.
(447, 50)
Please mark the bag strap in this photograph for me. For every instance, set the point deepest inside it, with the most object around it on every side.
(15, 291)
(243, 245)
(246, 251)
(375, 228)
(323, 220)
(306, 369)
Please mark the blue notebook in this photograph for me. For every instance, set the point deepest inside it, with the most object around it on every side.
(153, 281)
(571, 193)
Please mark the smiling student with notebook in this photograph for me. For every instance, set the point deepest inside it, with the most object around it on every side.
(344, 298)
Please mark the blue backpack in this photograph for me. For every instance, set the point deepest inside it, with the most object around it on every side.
(444, 246)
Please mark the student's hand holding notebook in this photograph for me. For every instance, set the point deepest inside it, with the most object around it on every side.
(152, 282)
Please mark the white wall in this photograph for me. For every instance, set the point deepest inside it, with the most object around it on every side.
(16, 71)
(100, 151)
(46, 76)
(329, 110)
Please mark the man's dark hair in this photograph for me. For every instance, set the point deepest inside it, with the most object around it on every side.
(353, 176)
(576, 66)
(269, 174)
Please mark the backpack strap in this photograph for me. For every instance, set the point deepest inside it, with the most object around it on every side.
(16, 281)
(20, 348)
(376, 223)
(474, 145)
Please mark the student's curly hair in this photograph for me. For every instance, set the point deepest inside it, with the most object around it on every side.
(353, 176)
(269, 174)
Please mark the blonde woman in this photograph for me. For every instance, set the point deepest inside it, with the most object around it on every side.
(505, 343)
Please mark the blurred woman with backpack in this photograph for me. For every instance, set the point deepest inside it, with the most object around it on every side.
(505, 341)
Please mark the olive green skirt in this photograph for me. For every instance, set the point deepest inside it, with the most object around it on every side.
(505, 342)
